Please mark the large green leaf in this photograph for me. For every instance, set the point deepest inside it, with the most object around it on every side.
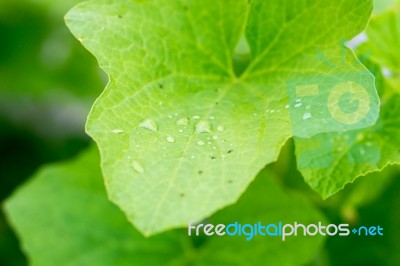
(63, 217)
(184, 114)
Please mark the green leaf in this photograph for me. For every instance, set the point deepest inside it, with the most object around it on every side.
(63, 217)
(381, 6)
(184, 114)
(383, 33)
(367, 250)
(329, 161)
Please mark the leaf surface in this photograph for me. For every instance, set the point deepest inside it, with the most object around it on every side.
(196, 103)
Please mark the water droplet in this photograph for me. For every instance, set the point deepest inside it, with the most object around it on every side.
(170, 139)
(220, 128)
(203, 127)
(180, 131)
(272, 111)
(200, 143)
(117, 131)
(192, 156)
(215, 137)
(149, 125)
(298, 100)
(297, 105)
(137, 167)
(307, 116)
(170, 116)
(196, 117)
(287, 106)
(183, 121)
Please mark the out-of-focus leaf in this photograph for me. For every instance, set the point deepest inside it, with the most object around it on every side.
(381, 6)
(47, 80)
(64, 218)
(369, 250)
(383, 33)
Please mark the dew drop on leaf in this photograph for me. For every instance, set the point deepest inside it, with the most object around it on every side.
(149, 125)
(117, 131)
(183, 122)
(170, 139)
(137, 167)
(203, 127)
(307, 116)
(220, 128)
(200, 143)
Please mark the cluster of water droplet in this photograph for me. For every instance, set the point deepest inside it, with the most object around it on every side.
(202, 127)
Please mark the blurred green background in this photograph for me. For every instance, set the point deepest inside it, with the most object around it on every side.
(48, 82)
